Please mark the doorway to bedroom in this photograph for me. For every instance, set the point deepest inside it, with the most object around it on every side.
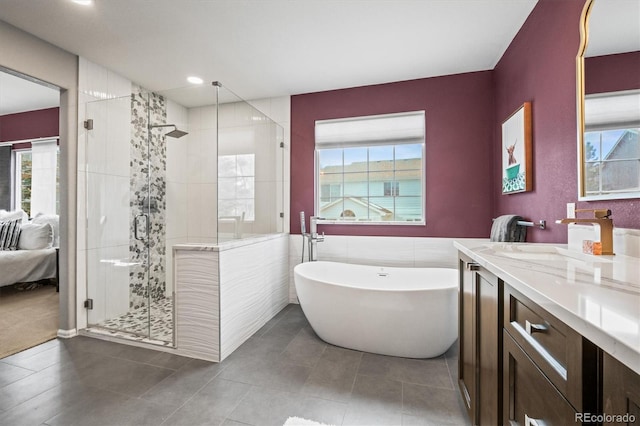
(29, 211)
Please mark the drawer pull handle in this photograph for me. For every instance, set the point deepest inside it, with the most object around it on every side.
(530, 421)
(535, 328)
(473, 266)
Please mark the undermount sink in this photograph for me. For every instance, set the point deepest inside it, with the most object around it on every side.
(543, 252)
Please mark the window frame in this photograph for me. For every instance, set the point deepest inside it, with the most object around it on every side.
(16, 176)
(601, 162)
(585, 125)
(16, 180)
(317, 184)
(237, 177)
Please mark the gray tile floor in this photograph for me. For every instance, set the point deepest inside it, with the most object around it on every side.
(283, 370)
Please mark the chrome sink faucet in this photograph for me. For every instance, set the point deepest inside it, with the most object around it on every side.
(602, 220)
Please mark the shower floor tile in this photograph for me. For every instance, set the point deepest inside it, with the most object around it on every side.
(136, 322)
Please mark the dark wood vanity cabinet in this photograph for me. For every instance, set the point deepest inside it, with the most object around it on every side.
(620, 393)
(479, 361)
(520, 365)
(550, 372)
(530, 398)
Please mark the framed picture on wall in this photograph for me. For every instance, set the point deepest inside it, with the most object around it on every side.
(517, 172)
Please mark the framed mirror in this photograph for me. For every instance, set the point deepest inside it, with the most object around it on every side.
(609, 101)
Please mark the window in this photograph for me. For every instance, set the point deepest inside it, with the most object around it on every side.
(611, 149)
(391, 189)
(371, 169)
(236, 186)
(330, 192)
(23, 181)
(36, 179)
(612, 161)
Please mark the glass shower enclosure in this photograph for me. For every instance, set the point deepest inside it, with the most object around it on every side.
(194, 165)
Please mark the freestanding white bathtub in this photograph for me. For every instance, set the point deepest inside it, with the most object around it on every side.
(406, 312)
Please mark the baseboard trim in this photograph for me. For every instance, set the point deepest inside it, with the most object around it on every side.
(67, 334)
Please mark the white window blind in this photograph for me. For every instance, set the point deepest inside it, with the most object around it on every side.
(408, 127)
(616, 110)
(43, 179)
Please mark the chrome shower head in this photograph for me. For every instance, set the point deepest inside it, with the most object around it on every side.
(175, 133)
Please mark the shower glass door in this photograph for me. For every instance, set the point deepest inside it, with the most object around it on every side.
(119, 216)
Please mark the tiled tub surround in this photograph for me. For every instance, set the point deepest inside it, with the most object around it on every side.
(420, 252)
(225, 293)
(599, 297)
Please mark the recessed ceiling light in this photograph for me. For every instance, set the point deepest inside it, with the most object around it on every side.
(194, 80)
(83, 2)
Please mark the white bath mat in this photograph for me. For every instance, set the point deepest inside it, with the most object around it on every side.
(297, 421)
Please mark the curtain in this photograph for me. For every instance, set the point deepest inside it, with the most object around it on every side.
(44, 157)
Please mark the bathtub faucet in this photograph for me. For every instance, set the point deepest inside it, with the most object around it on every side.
(314, 238)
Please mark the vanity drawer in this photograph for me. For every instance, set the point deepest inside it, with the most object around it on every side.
(553, 347)
(529, 398)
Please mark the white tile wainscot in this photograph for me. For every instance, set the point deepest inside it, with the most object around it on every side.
(225, 293)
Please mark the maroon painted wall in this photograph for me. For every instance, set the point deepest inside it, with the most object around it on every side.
(612, 73)
(464, 114)
(29, 125)
(540, 66)
(459, 132)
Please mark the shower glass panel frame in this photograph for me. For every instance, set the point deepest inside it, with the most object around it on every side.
(147, 191)
(250, 170)
(124, 206)
(235, 166)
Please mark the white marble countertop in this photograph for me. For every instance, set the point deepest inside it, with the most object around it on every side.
(597, 296)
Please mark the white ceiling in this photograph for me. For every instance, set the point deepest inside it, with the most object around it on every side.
(266, 48)
(614, 27)
(20, 95)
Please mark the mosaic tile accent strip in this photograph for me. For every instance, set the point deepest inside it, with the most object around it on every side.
(137, 322)
(148, 191)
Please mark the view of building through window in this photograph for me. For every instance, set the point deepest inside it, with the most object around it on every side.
(380, 183)
(371, 168)
(612, 161)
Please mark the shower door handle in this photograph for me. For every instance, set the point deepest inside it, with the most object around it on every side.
(146, 227)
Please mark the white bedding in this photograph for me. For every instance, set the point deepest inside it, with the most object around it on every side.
(26, 265)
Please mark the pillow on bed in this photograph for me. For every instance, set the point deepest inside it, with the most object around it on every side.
(35, 236)
(9, 234)
(54, 221)
(14, 214)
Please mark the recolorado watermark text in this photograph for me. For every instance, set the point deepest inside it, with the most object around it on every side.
(605, 418)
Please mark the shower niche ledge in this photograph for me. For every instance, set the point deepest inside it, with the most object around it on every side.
(225, 293)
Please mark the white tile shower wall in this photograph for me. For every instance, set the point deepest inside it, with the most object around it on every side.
(381, 251)
(176, 213)
(106, 211)
(279, 110)
(222, 299)
(251, 292)
(201, 175)
(197, 304)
